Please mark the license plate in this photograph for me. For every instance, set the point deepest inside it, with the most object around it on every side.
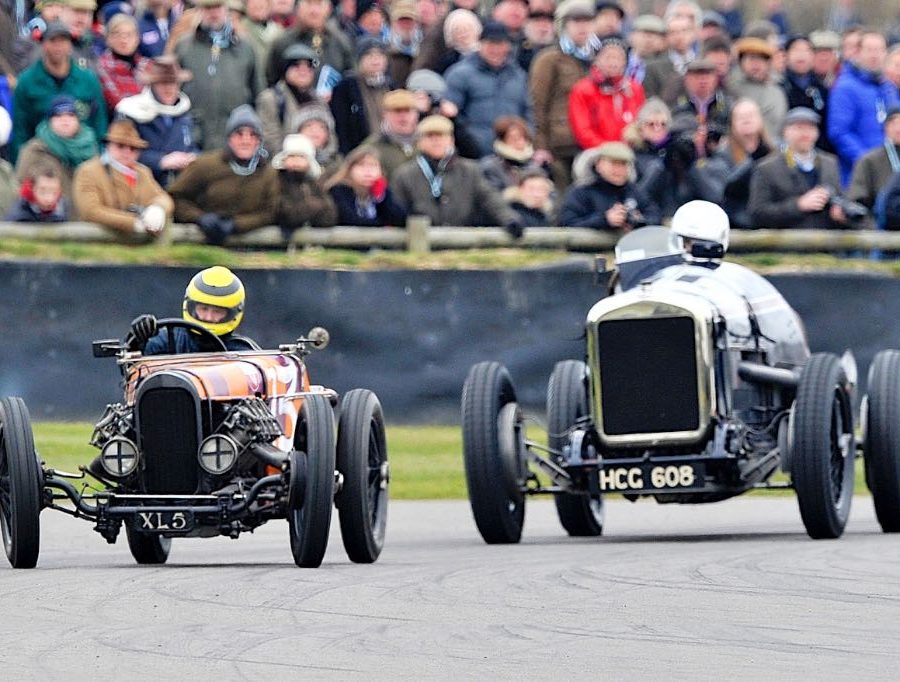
(651, 477)
(164, 521)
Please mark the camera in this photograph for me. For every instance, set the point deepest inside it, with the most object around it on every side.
(854, 211)
(633, 215)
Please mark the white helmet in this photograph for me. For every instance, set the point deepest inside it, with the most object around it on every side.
(703, 221)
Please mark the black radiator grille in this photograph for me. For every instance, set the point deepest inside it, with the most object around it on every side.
(648, 374)
(168, 424)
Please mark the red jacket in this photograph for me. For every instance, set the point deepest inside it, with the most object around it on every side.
(599, 114)
(119, 77)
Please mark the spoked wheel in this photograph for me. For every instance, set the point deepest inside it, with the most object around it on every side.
(20, 485)
(882, 438)
(363, 460)
(823, 451)
(148, 548)
(312, 482)
(580, 515)
(493, 450)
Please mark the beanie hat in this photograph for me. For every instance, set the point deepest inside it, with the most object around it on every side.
(243, 117)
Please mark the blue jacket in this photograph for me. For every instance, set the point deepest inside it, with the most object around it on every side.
(153, 42)
(483, 94)
(163, 137)
(187, 342)
(856, 108)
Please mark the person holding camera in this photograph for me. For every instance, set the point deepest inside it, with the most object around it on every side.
(611, 201)
(116, 191)
(798, 188)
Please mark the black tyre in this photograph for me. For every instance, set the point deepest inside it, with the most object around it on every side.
(822, 456)
(20, 485)
(567, 400)
(498, 504)
(362, 458)
(148, 548)
(310, 520)
(882, 439)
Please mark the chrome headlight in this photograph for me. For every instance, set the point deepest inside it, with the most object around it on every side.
(119, 457)
(218, 454)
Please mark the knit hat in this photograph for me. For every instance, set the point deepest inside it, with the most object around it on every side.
(243, 117)
(62, 104)
(298, 145)
(367, 44)
(429, 81)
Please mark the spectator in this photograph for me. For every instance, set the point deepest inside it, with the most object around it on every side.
(608, 20)
(713, 27)
(610, 201)
(726, 175)
(119, 67)
(826, 59)
(78, 15)
(553, 74)
(313, 30)
(462, 30)
(603, 103)
(279, 106)
(162, 114)
(887, 211)
(794, 189)
(436, 42)
(648, 41)
(733, 13)
(487, 85)
(704, 100)
(361, 193)
(430, 89)
(316, 123)
(283, 13)
(718, 51)
(531, 198)
(851, 41)
(261, 32)
(513, 153)
(154, 26)
(40, 199)
(115, 191)
(802, 86)
(370, 21)
(663, 75)
(356, 104)
(395, 142)
(448, 189)
(404, 39)
(230, 190)
(301, 199)
(538, 32)
(61, 143)
(55, 74)
(778, 17)
(224, 69)
(858, 103)
(754, 81)
(875, 168)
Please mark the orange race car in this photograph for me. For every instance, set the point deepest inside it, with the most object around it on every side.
(208, 444)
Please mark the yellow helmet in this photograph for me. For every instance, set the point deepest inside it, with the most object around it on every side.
(215, 286)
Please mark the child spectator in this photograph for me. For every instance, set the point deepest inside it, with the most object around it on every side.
(40, 199)
(531, 198)
(301, 199)
(361, 193)
(317, 124)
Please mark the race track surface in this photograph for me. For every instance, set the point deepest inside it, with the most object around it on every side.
(732, 590)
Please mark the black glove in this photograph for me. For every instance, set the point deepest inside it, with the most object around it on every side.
(515, 229)
(143, 328)
(215, 228)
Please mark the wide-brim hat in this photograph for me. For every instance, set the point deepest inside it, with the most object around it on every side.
(124, 132)
(164, 69)
(298, 145)
(752, 45)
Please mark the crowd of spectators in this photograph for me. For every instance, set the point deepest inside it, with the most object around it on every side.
(235, 114)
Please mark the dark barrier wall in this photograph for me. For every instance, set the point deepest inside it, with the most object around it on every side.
(409, 335)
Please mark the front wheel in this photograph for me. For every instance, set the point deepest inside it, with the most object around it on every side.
(493, 450)
(362, 459)
(146, 548)
(822, 456)
(312, 471)
(20, 485)
(882, 439)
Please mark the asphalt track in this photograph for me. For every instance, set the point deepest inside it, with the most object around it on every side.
(731, 590)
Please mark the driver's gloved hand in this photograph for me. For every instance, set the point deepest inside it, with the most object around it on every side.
(143, 328)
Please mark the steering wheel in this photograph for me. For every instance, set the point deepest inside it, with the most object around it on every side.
(172, 323)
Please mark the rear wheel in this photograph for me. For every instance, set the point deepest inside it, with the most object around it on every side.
(882, 439)
(363, 460)
(148, 548)
(309, 516)
(580, 515)
(493, 450)
(20, 485)
(822, 455)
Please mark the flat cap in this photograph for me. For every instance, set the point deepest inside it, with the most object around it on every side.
(754, 46)
(649, 23)
(404, 9)
(574, 9)
(825, 40)
(398, 99)
(495, 32)
(615, 151)
(87, 5)
(701, 65)
(802, 115)
(434, 124)
(55, 29)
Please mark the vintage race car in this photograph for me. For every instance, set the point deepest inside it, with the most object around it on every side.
(208, 444)
(698, 386)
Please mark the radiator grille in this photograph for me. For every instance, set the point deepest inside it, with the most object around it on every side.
(648, 374)
(168, 424)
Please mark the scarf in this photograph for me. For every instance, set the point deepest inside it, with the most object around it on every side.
(504, 151)
(434, 177)
(223, 37)
(130, 174)
(144, 107)
(245, 168)
(805, 164)
(376, 81)
(71, 151)
(585, 53)
(410, 49)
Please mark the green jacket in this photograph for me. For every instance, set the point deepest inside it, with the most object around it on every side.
(37, 88)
